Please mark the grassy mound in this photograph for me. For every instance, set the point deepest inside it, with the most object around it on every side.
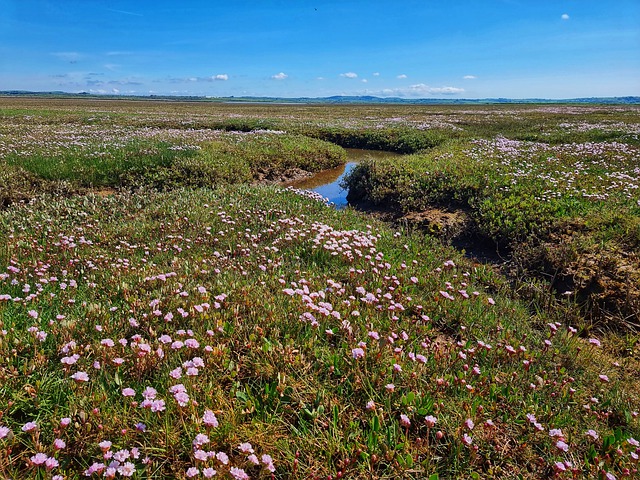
(571, 211)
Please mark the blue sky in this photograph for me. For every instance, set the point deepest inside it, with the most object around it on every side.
(404, 48)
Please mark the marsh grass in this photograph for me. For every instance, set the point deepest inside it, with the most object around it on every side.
(282, 277)
(173, 329)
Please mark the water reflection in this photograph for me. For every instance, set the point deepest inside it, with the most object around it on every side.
(327, 182)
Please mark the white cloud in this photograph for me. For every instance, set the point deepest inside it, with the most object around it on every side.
(364, 80)
(446, 90)
(469, 77)
(417, 91)
(402, 76)
(376, 74)
(222, 76)
(279, 76)
(565, 16)
(349, 75)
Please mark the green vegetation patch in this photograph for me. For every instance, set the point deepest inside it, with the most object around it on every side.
(253, 330)
(532, 199)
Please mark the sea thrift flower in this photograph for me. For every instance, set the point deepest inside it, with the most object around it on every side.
(200, 440)
(80, 377)
(94, 468)
(404, 420)
(246, 447)
(238, 473)
(357, 353)
(192, 472)
(592, 433)
(149, 393)
(59, 444)
(430, 420)
(39, 458)
(268, 462)
(555, 432)
(105, 445)
(127, 470)
(466, 439)
(208, 472)
(4, 432)
(29, 426)
(128, 392)
(222, 458)
(210, 420)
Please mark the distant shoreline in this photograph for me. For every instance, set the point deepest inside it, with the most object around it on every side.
(341, 100)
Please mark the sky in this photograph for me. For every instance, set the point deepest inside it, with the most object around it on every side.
(400, 48)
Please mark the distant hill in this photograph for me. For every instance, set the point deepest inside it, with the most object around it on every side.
(338, 99)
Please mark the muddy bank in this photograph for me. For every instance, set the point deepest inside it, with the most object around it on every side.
(597, 288)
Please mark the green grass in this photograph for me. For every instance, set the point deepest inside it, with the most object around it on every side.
(533, 199)
(326, 339)
(271, 370)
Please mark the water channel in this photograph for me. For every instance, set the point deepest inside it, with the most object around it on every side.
(327, 182)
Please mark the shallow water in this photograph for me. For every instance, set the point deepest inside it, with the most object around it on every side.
(327, 182)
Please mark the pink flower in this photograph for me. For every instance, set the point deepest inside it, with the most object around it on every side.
(149, 393)
(192, 472)
(39, 458)
(29, 426)
(404, 420)
(430, 420)
(4, 431)
(466, 439)
(268, 462)
(51, 463)
(592, 433)
(128, 392)
(80, 377)
(560, 445)
(208, 472)
(158, 406)
(555, 432)
(238, 473)
(357, 353)
(201, 439)
(390, 387)
(182, 398)
(105, 445)
(59, 444)
(127, 470)
(209, 419)
(222, 458)
(246, 447)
